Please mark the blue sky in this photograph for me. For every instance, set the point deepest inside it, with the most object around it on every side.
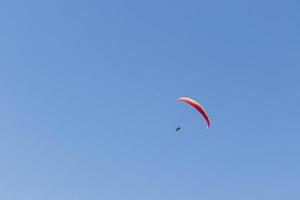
(88, 100)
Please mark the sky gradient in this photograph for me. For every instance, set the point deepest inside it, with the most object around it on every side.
(89, 106)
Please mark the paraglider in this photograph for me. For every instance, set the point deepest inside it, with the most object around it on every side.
(198, 106)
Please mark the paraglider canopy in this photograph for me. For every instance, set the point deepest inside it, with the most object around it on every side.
(198, 106)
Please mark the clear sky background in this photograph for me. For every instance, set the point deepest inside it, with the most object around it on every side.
(88, 100)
